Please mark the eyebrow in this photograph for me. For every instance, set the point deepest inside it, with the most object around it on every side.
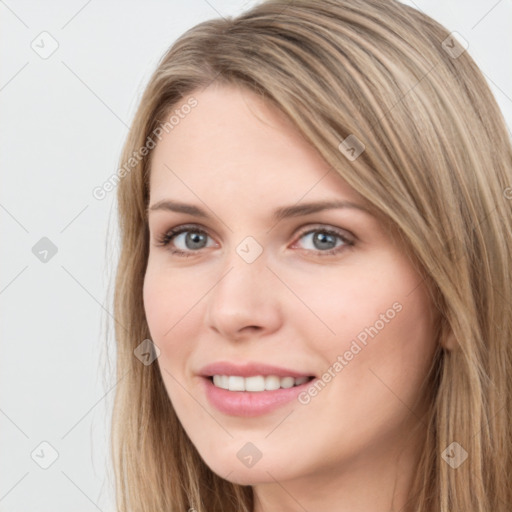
(278, 214)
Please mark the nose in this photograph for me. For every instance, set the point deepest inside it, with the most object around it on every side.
(245, 301)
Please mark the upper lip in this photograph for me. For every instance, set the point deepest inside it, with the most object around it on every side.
(248, 370)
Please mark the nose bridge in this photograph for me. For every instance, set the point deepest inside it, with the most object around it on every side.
(243, 296)
(245, 272)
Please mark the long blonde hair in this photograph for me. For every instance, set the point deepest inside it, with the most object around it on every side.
(437, 163)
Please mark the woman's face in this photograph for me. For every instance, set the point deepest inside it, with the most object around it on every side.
(324, 293)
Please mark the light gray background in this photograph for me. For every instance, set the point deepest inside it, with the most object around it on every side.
(63, 123)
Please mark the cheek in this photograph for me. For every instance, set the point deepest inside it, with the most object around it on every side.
(157, 299)
(378, 359)
(169, 297)
(166, 305)
(377, 314)
(404, 357)
(166, 314)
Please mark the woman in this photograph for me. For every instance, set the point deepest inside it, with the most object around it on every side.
(314, 279)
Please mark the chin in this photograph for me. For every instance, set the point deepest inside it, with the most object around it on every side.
(248, 476)
(236, 473)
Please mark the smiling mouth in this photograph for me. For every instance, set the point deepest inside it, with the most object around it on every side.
(257, 383)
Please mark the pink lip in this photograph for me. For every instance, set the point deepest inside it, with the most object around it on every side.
(249, 403)
(248, 370)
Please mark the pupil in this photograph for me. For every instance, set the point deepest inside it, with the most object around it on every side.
(194, 239)
(324, 238)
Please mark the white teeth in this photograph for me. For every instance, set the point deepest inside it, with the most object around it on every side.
(256, 383)
(272, 382)
(236, 383)
(287, 382)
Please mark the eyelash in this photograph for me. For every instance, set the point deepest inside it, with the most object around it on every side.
(165, 239)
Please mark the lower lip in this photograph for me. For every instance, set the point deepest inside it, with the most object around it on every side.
(250, 403)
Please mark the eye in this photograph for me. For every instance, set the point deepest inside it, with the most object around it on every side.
(189, 237)
(325, 240)
(186, 240)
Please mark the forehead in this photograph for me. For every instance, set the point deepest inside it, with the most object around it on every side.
(238, 147)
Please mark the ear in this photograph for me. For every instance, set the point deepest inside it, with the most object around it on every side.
(448, 341)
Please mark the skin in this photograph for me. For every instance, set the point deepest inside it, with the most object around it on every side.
(354, 446)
